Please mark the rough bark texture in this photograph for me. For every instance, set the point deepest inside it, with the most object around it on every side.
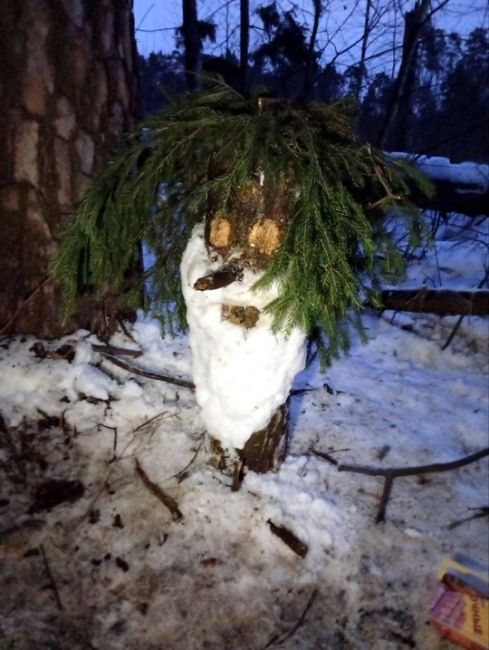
(265, 450)
(442, 302)
(68, 88)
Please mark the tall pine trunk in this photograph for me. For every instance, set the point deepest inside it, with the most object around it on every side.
(68, 88)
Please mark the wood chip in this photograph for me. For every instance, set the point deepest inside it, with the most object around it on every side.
(288, 537)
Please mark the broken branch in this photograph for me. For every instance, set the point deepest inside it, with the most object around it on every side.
(391, 473)
(148, 373)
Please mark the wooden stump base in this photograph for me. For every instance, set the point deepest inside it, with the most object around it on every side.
(265, 450)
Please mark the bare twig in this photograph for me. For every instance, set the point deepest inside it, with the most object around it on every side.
(391, 473)
(51, 578)
(180, 475)
(125, 331)
(483, 511)
(168, 501)
(300, 622)
(148, 373)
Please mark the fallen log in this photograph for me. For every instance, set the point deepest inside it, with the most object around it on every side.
(443, 302)
(452, 198)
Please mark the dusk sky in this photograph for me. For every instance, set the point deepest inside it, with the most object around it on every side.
(342, 24)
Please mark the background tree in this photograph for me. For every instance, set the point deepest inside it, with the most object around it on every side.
(68, 88)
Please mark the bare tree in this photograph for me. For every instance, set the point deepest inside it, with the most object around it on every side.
(192, 43)
(311, 55)
(244, 43)
(414, 22)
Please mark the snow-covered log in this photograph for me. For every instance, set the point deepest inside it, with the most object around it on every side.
(442, 302)
(459, 187)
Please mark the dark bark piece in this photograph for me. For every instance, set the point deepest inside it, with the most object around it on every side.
(218, 279)
(289, 538)
(264, 450)
(168, 501)
(433, 301)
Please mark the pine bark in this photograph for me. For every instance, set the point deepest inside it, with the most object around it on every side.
(68, 88)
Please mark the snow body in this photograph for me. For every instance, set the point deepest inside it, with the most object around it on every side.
(241, 375)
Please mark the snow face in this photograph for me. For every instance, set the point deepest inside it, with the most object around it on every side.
(241, 375)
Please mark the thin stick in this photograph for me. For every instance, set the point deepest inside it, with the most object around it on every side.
(394, 472)
(483, 511)
(181, 473)
(51, 578)
(298, 624)
(125, 330)
(168, 501)
(148, 373)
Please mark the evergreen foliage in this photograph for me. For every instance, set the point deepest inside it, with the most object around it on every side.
(199, 151)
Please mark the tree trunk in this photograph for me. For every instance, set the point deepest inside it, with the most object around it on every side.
(244, 44)
(192, 43)
(311, 55)
(414, 22)
(363, 52)
(442, 302)
(68, 88)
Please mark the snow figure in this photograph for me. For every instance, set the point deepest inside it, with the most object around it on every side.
(242, 370)
(270, 228)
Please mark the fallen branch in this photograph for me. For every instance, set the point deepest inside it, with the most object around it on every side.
(277, 640)
(483, 511)
(148, 373)
(434, 301)
(391, 473)
(288, 538)
(168, 501)
(111, 350)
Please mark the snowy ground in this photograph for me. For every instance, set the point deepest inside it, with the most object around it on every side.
(111, 569)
